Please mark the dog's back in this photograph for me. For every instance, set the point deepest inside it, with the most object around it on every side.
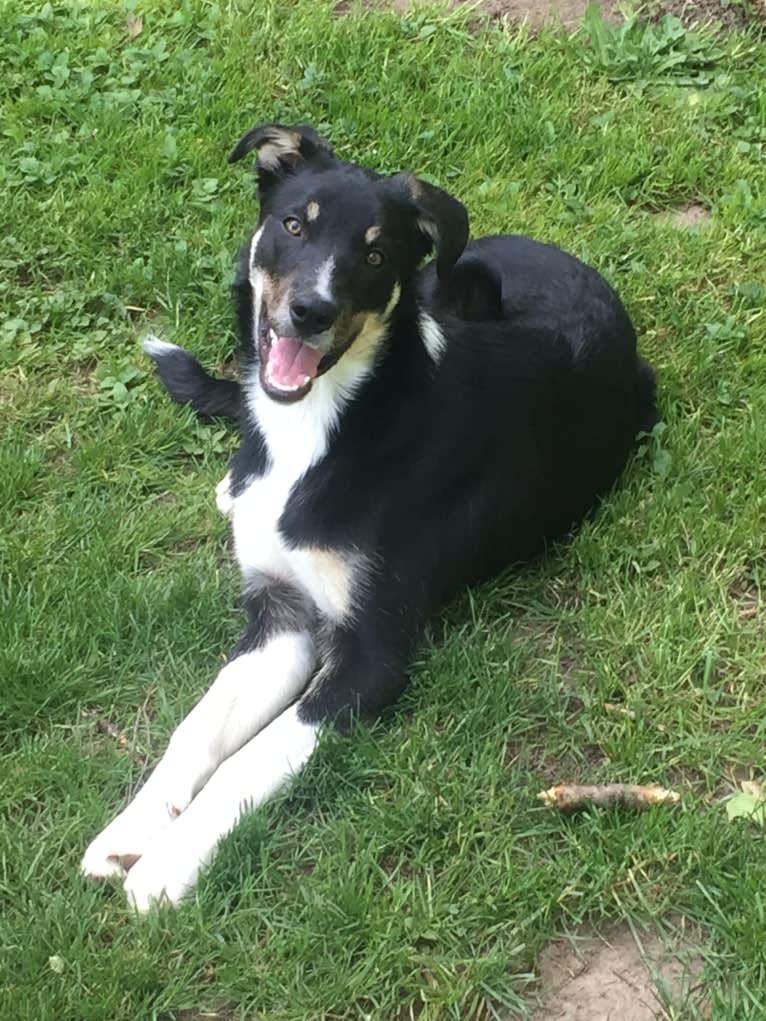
(537, 286)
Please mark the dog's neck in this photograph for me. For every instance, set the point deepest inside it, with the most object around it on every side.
(381, 365)
(298, 435)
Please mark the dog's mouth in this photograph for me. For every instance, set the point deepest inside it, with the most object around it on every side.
(288, 365)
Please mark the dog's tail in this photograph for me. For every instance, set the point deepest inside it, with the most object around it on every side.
(188, 383)
(648, 415)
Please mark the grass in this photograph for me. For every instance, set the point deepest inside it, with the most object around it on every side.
(411, 872)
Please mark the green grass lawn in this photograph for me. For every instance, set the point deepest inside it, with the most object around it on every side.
(411, 872)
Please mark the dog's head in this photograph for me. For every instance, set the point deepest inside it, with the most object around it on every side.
(335, 248)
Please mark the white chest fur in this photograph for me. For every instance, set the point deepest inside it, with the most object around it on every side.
(297, 437)
(327, 576)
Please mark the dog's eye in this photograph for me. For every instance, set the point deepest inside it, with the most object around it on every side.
(293, 226)
(375, 258)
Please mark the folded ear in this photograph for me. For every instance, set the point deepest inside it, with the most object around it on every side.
(440, 219)
(281, 148)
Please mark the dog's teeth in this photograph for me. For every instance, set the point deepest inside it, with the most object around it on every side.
(272, 334)
(285, 388)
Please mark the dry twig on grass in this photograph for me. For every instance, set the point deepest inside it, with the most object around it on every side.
(571, 796)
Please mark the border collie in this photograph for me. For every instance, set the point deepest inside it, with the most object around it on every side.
(405, 433)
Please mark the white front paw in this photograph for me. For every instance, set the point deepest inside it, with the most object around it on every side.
(102, 860)
(165, 874)
(118, 847)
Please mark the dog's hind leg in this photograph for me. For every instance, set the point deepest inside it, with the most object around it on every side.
(269, 668)
(647, 396)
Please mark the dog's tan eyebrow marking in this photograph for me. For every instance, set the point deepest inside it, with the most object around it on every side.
(372, 234)
(312, 211)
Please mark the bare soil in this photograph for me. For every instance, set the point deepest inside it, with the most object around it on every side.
(536, 13)
(569, 13)
(692, 214)
(619, 977)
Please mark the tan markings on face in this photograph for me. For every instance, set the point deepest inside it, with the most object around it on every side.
(372, 234)
(276, 291)
(393, 301)
(368, 329)
(312, 211)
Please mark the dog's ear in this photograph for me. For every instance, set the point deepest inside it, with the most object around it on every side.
(441, 220)
(281, 148)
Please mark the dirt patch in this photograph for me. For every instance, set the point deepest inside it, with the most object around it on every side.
(537, 13)
(569, 13)
(534, 13)
(690, 215)
(621, 977)
(697, 12)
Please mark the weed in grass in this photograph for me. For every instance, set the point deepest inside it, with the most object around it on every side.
(646, 53)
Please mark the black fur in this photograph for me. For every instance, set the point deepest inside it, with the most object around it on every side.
(273, 608)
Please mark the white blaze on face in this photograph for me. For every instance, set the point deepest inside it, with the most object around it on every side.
(256, 282)
(253, 249)
(324, 279)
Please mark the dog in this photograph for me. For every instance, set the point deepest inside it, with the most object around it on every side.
(406, 433)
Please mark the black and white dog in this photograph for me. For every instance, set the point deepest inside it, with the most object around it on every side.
(405, 433)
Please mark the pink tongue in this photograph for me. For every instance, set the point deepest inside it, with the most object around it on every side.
(292, 363)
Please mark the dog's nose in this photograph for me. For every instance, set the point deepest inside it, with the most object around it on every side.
(313, 315)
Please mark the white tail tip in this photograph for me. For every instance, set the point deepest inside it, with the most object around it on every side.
(156, 348)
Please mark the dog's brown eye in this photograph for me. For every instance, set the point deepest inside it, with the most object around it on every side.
(375, 258)
(293, 226)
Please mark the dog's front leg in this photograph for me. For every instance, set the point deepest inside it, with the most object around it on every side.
(359, 675)
(267, 672)
(171, 864)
